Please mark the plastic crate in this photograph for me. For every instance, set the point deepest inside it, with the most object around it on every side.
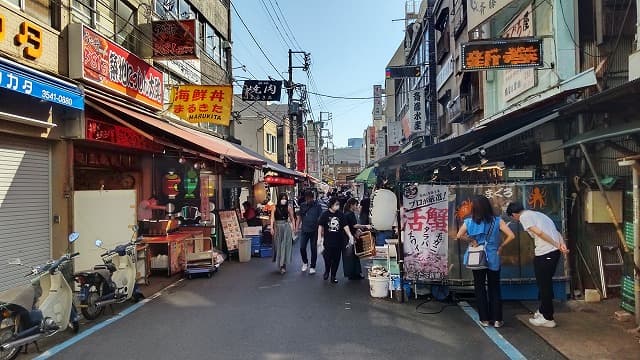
(256, 240)
(266, 252)
(255, 250)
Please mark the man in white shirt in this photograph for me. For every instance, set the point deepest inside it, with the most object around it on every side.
(549, 245)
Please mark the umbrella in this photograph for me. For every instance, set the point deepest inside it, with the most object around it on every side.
(367, 176)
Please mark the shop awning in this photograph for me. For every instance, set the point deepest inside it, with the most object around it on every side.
(270, 164)
(208, 144)
(602, 134)
(367, 176)
(499, 127)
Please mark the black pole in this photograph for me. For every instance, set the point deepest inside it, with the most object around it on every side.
(400, 250)
(291, 147)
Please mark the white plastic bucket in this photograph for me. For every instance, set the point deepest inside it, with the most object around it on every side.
(244, 250)
(379, 286)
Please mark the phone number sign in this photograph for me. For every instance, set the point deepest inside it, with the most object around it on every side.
(18, 78)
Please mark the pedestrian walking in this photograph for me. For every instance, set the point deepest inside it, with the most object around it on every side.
(282, 225)
(483, 228)
(549, 245)
(310, 212)
(350, 262)
(331, 229)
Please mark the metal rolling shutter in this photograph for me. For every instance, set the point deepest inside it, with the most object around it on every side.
(24, 207)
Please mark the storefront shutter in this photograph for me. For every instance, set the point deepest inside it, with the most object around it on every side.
(24, 207)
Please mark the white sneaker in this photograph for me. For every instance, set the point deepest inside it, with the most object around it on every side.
(312, 271)
(537, 315)
(542, 322)
(304, 267)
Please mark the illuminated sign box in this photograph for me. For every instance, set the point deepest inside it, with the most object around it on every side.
(502, 54)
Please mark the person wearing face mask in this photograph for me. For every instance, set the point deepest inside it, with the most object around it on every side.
(282, 225)
(331, 229)
(350, 262)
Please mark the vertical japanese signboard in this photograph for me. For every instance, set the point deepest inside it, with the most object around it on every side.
(203, 103)
(377, 102)
(95, 59)
(417, 112)
(425, 234)
(517, 81)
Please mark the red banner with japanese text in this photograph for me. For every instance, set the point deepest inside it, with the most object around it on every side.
(301, 155)
(203, 103)
(425, 213)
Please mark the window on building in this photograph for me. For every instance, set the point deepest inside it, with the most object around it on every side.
(115, 19)
(272, 144)
(42, 10)
(443, 44)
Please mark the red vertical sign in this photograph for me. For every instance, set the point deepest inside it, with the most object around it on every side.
(301, 155)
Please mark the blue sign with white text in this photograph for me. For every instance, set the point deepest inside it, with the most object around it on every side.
(21, 79)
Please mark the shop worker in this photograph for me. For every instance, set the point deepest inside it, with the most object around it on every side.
(146, 207)
(282, 225)
(331, 230)
(250, 214)
(350, 261)
(310, 212)
(549, 244)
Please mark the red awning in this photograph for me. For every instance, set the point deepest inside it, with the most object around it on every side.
(209, 143)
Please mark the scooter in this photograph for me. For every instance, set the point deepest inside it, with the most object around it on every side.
(32, 312)
(110, 283)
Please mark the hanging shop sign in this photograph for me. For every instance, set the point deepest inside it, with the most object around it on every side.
(426, 218)
(517, 81)
(480, 11)
(97, 158)
(203, 103)
(118, 135)
(417, 116)
(174, 39)
(261, 90)
(501, 54)
(277, 180)
(399, 72)
(301, 155)
(95, 59)
(21, 79)
(377, 102)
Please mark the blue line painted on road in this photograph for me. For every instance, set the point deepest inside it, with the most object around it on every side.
(492, 333)
(58, 348)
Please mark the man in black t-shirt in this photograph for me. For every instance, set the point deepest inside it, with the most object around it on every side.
(331, 229)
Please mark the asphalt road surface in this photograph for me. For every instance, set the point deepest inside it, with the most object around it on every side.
(249, 311)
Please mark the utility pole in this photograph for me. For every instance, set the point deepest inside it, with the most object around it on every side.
(295, 113)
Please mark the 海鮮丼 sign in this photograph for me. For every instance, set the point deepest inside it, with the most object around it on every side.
(203, 103)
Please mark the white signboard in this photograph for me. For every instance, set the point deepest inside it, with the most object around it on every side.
(445, 72)
(189, 70)
(425, 236)
(480, 11)
(517, 81)
(417, 113)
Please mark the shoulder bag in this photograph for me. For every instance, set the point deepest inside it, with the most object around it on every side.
(477, 255)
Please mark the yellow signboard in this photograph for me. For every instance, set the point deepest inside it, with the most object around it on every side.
(203, 103)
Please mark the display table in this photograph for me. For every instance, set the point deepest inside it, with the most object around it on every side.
(172, 246)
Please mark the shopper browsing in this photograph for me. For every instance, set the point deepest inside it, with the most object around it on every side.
(310, 212)
(549, 244)
(350, 262)
(331, 229)
(282, 225)
(483, 228)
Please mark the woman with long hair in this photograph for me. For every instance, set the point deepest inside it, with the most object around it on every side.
(282, 225)
(350, 262)
(483, 228)
(365, 208)
(332, 227)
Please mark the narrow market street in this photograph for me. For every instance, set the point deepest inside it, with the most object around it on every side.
(248, 311)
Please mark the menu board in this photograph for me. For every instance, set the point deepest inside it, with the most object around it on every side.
(230, 228)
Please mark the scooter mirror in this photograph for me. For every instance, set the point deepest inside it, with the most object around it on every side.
(73, 237)
(135, 228)
(15, 261)
(99, 243)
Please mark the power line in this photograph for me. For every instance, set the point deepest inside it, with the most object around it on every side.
(275, 25)
(256, 41)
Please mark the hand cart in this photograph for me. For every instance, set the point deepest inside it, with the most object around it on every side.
(199, 257)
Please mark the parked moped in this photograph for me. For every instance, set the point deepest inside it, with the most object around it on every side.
(32, 312)
(112, 282)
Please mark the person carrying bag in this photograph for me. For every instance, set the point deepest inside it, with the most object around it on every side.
(482, 230)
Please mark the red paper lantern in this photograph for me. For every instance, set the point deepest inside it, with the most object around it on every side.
(277, 180)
